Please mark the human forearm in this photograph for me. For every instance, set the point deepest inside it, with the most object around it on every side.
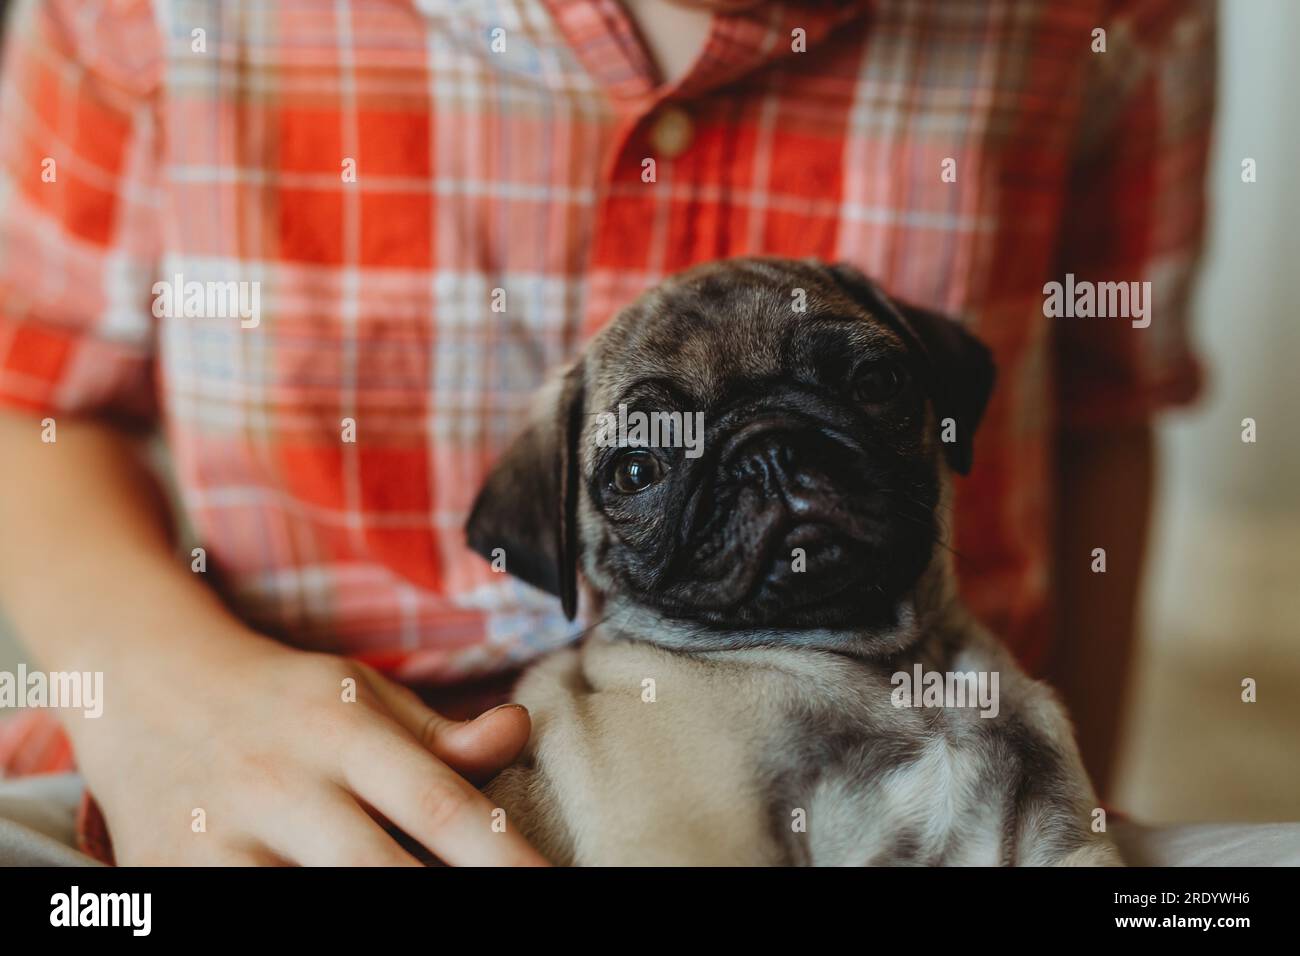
(1104, 482)
(87, 571)
(202, 713)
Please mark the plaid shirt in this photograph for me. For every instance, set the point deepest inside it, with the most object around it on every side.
(382, 168)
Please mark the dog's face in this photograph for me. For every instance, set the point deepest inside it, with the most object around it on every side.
(808, 500)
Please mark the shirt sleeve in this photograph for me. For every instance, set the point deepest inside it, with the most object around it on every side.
(79, 208)
(1135, 212)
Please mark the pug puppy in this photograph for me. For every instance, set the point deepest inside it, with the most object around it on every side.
(761, 602)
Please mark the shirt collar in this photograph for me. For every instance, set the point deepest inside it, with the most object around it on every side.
(605, 40)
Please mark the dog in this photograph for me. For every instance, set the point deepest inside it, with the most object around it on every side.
(757, 608)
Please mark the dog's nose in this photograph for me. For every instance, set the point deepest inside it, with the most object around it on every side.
(792, 461)
(768, 455)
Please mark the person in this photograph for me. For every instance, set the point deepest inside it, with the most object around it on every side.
(398, 218)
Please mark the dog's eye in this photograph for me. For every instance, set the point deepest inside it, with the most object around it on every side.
(878, 382)
(635, 471)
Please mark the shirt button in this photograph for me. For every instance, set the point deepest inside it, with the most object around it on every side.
(671, 132)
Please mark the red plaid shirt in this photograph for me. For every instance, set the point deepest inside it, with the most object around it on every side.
(501, 146)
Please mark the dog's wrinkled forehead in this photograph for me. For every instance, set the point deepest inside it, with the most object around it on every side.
(735, 322)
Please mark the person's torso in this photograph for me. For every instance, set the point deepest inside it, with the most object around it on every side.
(438, 202)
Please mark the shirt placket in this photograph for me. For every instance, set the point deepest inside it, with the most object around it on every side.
(655, 121)
(652, 121)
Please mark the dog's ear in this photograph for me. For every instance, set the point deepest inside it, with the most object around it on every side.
(958, 367)
(528, 507)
